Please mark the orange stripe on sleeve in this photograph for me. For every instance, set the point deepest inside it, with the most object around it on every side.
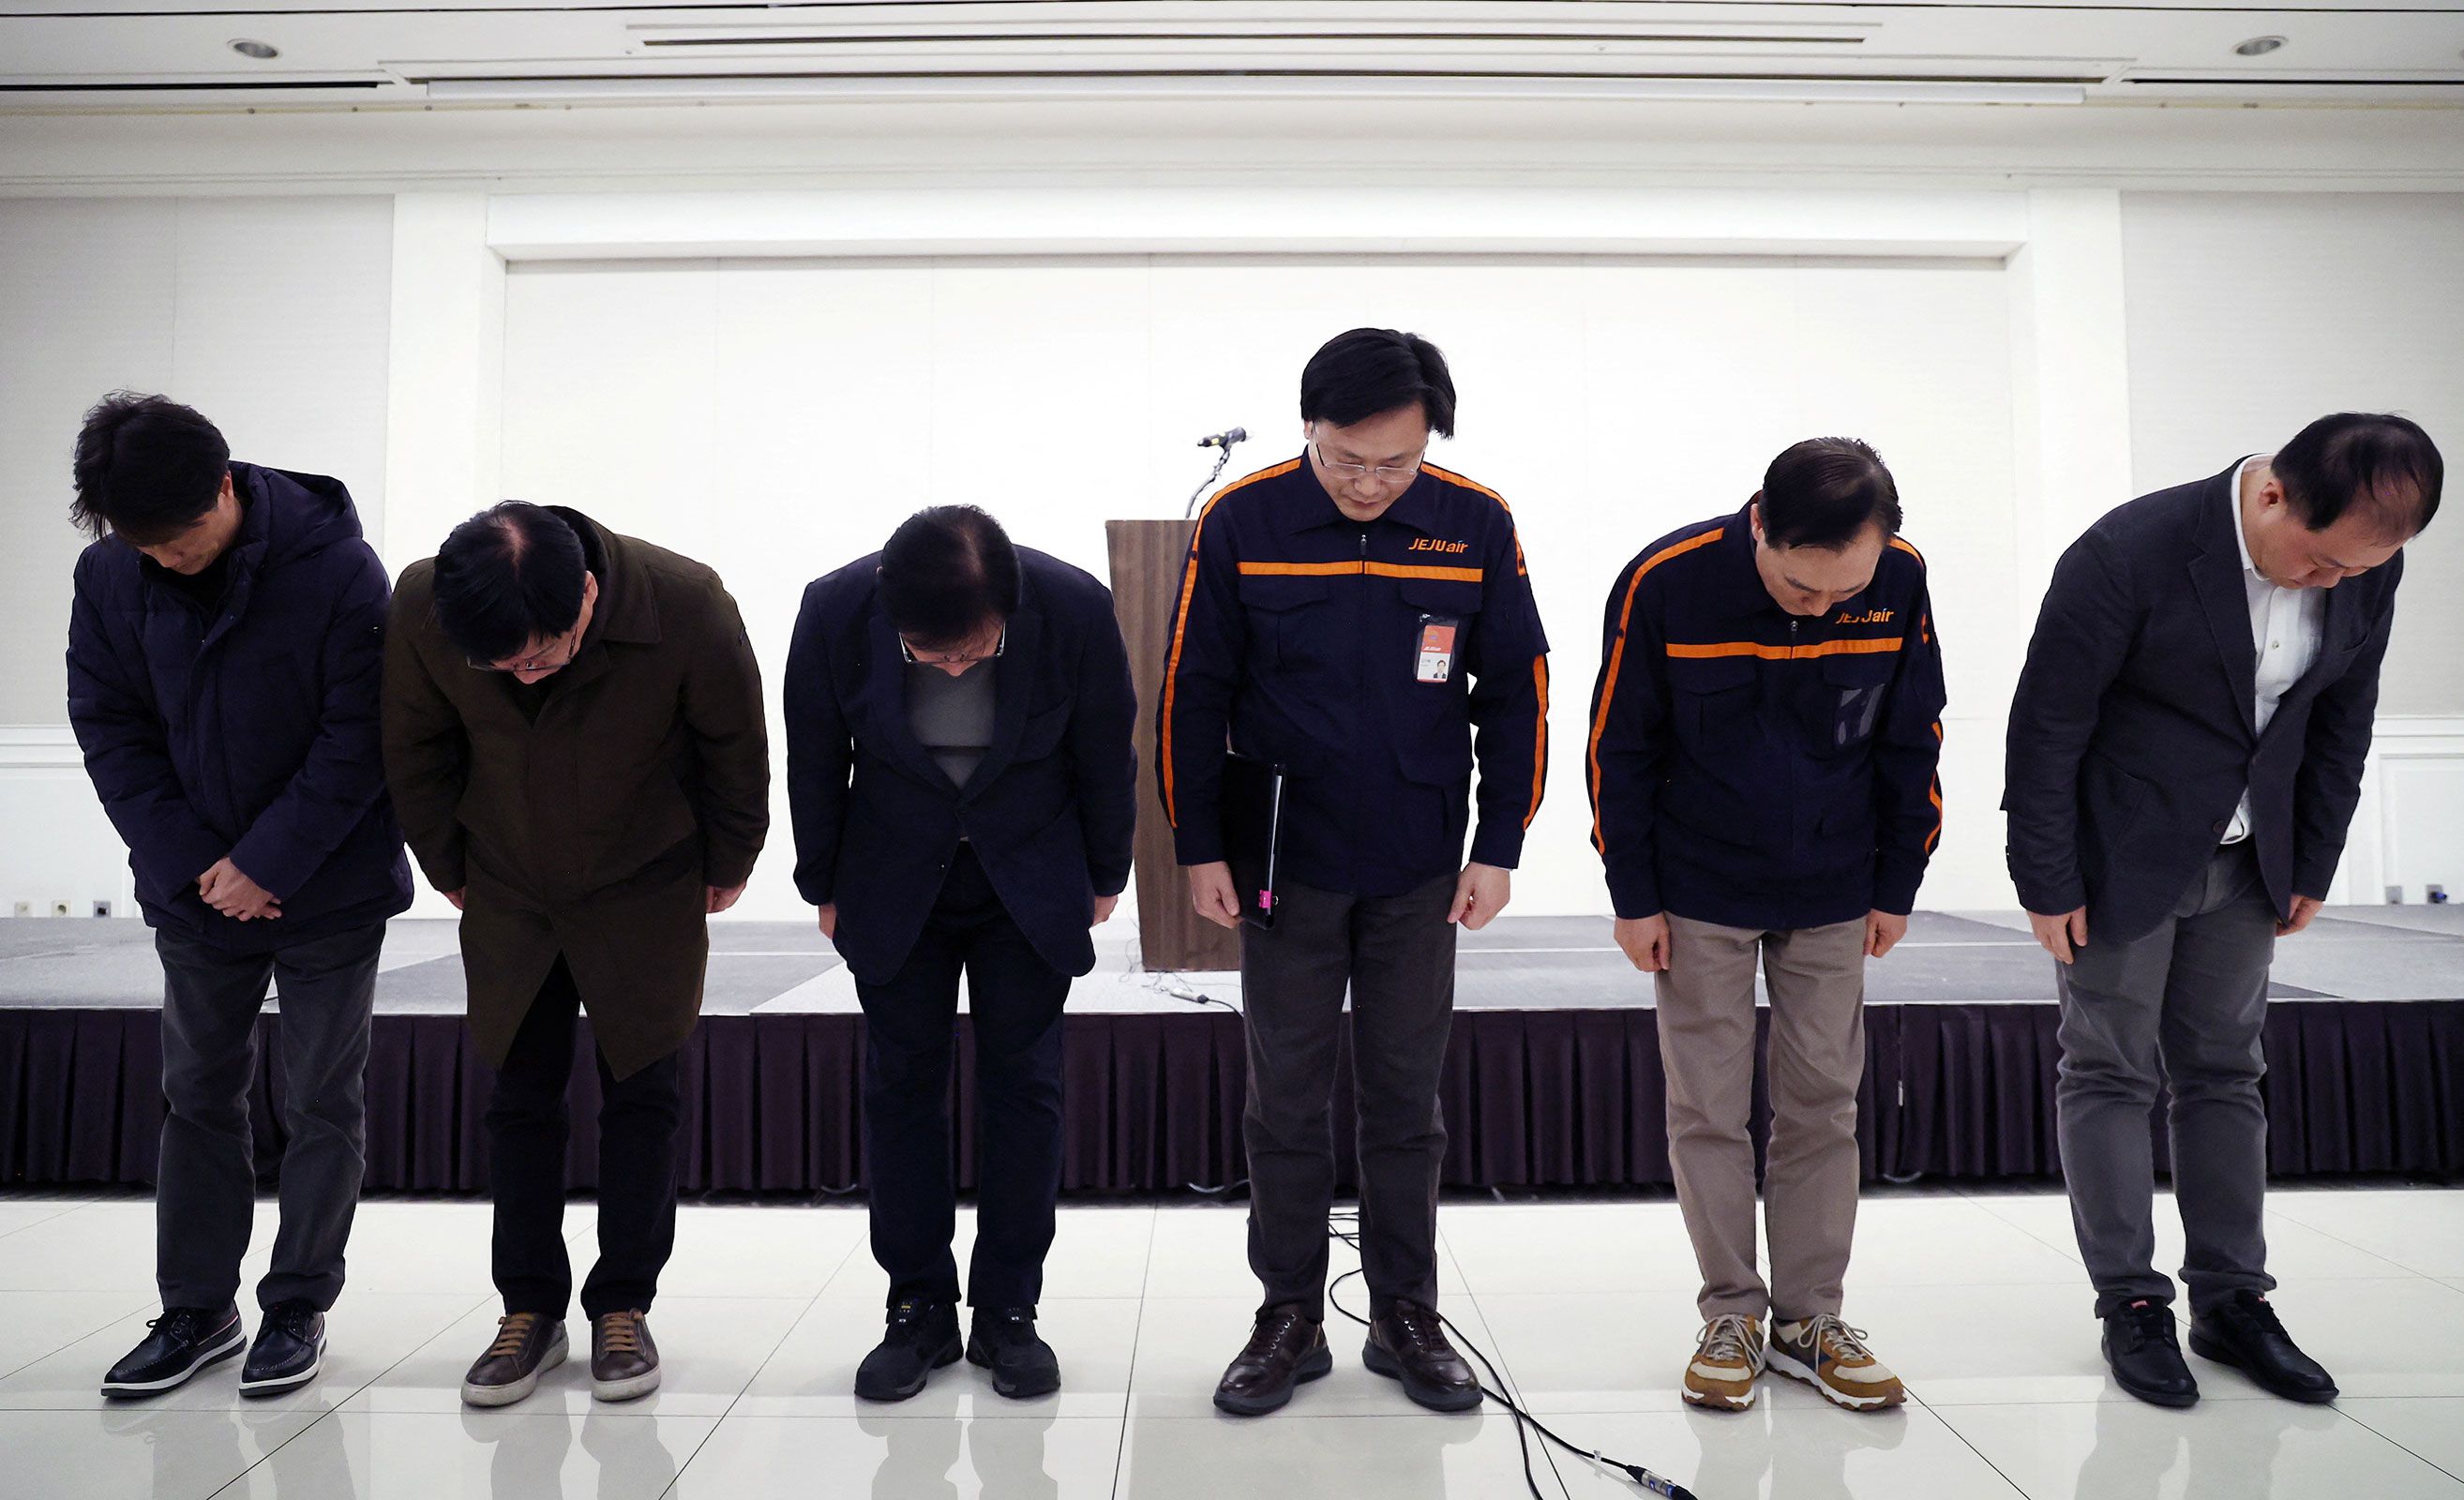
(1616, 660)
(1539, 741)
(1181, 629)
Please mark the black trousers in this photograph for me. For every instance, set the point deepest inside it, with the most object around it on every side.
(1014, 1000)
(527, 1132)
(1397, 956)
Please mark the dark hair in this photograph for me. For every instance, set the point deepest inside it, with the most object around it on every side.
(2385, 465)
(946, 571)
(1824, 492)
(1371, 371)
(146, 468)
(506, 576)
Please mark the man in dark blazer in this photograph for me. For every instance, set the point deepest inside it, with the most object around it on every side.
(574, 737)
(960, 777)
(2185, 754)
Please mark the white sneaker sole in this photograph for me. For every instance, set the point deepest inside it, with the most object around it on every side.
(1794, 1369)
(630, 1389)
(1712, 1401)
(286, 1382)
(211, 1355)
(508, 1395)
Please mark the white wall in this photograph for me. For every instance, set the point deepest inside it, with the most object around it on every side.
(777, 418)
(2251, 314)
(271, 316)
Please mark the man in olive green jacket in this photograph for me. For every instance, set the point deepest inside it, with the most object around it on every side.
(575, 744)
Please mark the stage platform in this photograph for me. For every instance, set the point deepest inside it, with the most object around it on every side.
(1552, 1080)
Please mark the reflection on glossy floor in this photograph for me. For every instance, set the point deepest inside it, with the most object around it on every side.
(1976, 1300)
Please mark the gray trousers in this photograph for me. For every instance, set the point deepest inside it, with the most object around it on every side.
(1706, 1003)
(205, 1188)
(1396, 955)
(2183, 1007)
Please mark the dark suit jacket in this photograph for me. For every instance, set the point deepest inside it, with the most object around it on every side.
(1049, 810)
(2133, 732)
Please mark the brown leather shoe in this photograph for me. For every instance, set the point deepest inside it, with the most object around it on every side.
(1409, 1344)
(1285, 1348)
(624, 1362)
(527, 1346)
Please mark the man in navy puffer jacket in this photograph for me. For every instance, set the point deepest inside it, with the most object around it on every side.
(224, 655)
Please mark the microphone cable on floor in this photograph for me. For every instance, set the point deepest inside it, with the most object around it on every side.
(1344, 1225)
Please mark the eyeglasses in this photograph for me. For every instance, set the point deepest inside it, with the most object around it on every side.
(1383, 473)
(906, 654)
(538, 663)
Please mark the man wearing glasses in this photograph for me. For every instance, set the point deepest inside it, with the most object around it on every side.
(573, 734)
(962, 784)
(1363, 619)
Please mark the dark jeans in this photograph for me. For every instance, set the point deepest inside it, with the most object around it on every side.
(1396, 954)
(1013, 1002)
(527, 1130)
(205, 1189)
(2182, 1006)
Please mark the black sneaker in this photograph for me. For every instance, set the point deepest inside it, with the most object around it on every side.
(1023, 1366)
(177, 1345)
(289, 1351)
(921, 1337)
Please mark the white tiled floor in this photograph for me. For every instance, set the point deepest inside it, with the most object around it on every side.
(1977, 1299)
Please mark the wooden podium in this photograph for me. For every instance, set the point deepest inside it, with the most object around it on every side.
(1148, 557)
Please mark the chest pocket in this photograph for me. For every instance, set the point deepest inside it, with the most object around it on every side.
(1847, 706)
(1288, 619)
(1713, 700)
(1459, 602)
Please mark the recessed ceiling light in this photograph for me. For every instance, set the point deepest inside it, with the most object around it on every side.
(2259, 46)
(261, 51)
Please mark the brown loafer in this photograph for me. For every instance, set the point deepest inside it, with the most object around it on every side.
(624, 1362)
(1409, 1344)
(527, 1346)
(1285, 1348)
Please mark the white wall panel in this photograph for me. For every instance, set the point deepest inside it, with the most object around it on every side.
(779, 417)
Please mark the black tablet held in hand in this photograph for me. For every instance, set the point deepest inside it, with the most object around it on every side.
(1252, 801)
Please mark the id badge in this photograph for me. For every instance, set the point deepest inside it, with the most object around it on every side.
(1435, 660)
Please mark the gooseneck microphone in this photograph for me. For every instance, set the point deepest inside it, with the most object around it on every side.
(1221, 442)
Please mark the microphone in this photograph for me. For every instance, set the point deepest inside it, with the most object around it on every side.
(1225, 439)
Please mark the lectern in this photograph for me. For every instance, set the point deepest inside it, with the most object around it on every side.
(1148, 557)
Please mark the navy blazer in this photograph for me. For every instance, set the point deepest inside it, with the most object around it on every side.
(1049, 810)
(2134, 728)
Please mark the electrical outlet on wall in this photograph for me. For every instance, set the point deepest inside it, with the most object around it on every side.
(102, 909)
(25, 908)
(60, 909)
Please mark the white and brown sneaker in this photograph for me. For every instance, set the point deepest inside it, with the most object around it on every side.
(1831, 1357)
(527, 1345)
(1727, 1358)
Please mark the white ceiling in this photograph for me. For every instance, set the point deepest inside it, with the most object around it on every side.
(147, 55)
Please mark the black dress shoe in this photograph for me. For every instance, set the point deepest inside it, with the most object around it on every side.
(289, 1351)
(1409, 1344)
(1023, 1366)
(921, 1339)
(2242, 1332)
(2145, 1350)
(1285, 1348)
(177, 1345)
